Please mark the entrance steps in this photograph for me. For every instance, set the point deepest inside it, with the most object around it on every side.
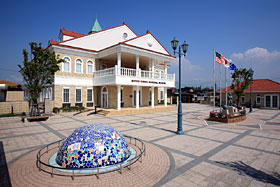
(141, 110)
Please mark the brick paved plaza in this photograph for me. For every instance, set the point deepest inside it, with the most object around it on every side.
(208, 154)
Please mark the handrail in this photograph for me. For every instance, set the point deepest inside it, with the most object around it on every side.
(56, 145)
(104, 72)
(130, 72)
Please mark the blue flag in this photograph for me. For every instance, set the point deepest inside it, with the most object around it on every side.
(231, 66)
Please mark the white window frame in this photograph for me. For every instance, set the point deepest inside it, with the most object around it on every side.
(81, 65)
(258, 96)
(91, 95)
(91, 65)
(242, 100)
(107, 92)
(78, 88)
(63, 94)
(69, 64)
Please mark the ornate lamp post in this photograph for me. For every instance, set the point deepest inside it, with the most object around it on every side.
(251, 73)
(184, 47)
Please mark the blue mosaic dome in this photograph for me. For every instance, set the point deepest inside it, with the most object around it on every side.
(91, 146)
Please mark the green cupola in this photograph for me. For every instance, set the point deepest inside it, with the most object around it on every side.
(95, 27)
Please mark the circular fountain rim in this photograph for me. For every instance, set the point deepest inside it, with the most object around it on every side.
(44, 150)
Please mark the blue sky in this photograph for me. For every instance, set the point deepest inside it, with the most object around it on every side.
(245, 31)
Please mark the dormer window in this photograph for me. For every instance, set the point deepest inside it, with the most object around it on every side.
(79, 66)
(66, 64)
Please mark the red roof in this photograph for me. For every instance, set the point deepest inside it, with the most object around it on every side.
(9, 83)
(260, 85)
(71, 33)
(78, 35)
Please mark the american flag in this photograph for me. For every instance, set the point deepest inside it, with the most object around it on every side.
(220, 59)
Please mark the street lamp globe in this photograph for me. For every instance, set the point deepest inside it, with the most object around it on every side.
(174, 43)
(185, 47)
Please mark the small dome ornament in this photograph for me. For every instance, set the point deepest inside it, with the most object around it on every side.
(150, 42)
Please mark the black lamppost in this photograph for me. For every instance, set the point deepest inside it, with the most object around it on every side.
(251, 73)
(184, 47)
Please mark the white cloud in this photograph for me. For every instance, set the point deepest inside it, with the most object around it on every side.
(264, 63)
(191, 74)
(257, 53)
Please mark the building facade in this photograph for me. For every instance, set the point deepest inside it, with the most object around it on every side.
(265, 94)
(110, 68)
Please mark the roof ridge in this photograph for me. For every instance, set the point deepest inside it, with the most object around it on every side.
(99, 32)
(148, 32)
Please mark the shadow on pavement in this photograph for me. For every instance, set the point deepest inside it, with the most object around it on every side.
(4, 172)
(244, 169)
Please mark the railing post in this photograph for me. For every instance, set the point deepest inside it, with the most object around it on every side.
(116, 70)
(121, 168)
(97, 173)
(139, 73)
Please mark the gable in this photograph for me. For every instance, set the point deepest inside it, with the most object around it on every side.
(102, 39)
(149, 42)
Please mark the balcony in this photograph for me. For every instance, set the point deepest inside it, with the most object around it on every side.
(127, 76)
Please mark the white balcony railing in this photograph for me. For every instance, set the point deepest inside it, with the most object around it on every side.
(129, 72)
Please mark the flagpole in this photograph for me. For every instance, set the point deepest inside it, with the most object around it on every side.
(220, 87)
(214, 87)
(226, 84)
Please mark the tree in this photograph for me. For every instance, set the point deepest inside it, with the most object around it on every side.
(240, 82)
(38, 72)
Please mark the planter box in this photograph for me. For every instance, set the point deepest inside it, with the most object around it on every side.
(235, 119)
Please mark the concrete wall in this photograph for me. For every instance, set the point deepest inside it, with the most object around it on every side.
(127, 96)
(19, 107)
(145, 96)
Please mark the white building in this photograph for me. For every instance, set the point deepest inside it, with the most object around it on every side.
(110, 68)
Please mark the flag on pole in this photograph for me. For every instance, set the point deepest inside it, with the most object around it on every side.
(227, 62)
(231, 66)
(219, 58)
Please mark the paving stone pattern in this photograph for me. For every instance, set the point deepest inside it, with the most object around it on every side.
(208, 154)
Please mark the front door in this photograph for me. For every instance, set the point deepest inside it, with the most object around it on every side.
(104, 98)
(271, 101)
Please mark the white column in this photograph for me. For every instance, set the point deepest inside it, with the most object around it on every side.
(153, 97)
(137, 67)
(137, 96)
(153, 68)
(119, 62)
(165, 71)
(165, 96)
(119, 98)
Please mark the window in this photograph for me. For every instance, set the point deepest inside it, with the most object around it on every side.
(258, 100)
(121, 95)
(89, 95)
(242, 99)
(66, 94)
(79, 66)
(78, 95)
(66, 65)
(89, 67)
(161, 95)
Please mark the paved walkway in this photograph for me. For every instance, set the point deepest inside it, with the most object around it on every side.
(208, 154)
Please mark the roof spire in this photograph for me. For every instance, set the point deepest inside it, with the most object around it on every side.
(95, 27)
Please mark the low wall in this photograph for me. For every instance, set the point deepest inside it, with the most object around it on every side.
(18, 107)
(14, 96)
